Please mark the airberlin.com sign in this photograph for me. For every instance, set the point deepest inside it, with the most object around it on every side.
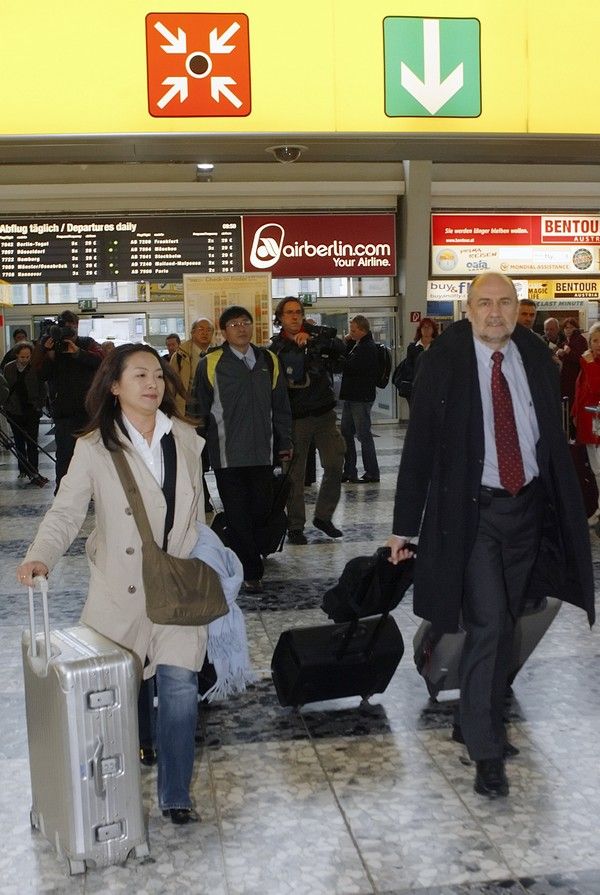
(321, 245)
(515, 244)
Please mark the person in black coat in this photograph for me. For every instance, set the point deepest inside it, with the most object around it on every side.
(69, 366)
(484, 548)
(357, 391)
(23, 408)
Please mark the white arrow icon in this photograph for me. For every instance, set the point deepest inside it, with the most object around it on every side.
(218, 87)
(218, 43)
(176, 44)
(177, 86)
(432, 92)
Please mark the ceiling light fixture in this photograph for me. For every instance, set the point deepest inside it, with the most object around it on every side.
(204, 171)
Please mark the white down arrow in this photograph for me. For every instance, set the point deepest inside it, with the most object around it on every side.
(432, 92)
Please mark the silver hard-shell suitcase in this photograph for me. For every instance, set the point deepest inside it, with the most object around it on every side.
(438, 659)
(81, 706)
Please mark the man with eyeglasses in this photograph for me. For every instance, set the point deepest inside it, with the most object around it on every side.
(308, 360)
(241, 398)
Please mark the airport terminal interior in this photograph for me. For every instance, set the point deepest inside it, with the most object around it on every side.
(337, 798)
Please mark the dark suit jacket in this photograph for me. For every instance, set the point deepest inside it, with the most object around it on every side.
(360, 370)
(440, 476)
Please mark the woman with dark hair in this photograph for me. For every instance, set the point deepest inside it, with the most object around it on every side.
(427, 331)
(131, 407)
(570, 355)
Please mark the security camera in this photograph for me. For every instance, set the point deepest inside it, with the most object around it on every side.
(287, 154)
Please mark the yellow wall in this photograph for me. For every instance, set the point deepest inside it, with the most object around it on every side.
(80, 67)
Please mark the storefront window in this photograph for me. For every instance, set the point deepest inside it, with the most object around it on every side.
(18, 294)
(372, 286)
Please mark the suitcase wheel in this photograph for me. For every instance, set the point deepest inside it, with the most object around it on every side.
(142, 851)
(74, 867)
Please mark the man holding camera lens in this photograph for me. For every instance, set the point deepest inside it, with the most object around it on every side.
(69, 365)
(309, 355)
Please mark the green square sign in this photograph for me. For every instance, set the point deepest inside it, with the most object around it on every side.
(432, 67)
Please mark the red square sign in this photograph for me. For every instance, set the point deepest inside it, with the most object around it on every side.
(198, 64)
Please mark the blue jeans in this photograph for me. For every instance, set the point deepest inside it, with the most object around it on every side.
(356, 421)
(175, 731)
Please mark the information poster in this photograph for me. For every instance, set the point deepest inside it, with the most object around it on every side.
(207, 295)
(515, 244)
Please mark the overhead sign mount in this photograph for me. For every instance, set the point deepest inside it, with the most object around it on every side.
(432, 67)
(198, 65)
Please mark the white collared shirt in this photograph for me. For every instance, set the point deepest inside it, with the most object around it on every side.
(151, 453)
(525, 418)
(249, 357)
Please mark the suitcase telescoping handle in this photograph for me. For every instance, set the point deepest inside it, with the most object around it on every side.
(39, 663)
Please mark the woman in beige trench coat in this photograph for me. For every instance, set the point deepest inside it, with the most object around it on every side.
(131, 405)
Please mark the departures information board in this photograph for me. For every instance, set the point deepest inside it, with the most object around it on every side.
(79, 249)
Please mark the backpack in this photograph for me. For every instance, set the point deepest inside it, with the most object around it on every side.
(402, 378)
(384, 365)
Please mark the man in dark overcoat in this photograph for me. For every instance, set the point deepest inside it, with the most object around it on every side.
(489, 538)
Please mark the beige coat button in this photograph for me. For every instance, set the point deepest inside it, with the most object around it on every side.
(129, 551)
(131, 589)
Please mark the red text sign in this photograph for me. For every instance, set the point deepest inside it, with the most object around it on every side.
(321, 245)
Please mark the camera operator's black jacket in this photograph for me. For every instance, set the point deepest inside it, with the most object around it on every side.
(312, 393)
(70, 376)
(360, 370)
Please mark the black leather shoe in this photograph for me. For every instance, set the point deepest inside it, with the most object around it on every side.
(369, 478)
(296, 536)
(351, 479)
(509, 751)
(490, 779)
(327, 526)
(148, 756)
(253, 587)
(181, 815)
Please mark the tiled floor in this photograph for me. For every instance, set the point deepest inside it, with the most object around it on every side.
(339, 798)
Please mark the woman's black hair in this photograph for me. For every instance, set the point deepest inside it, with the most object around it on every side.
(104, 408)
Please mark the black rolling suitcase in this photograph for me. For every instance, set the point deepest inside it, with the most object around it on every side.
(357, 658)
(270, 537)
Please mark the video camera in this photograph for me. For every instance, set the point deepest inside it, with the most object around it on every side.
(59, 332)
(322, 348)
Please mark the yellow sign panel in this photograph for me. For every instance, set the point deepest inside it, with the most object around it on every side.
(315, 67)
(547, 290)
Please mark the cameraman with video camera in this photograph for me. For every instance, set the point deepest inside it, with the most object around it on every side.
(309, 356)
(69, 364)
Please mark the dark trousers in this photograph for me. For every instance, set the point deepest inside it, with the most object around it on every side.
(356, 422)
(247, 496)
(496, 580)
(25, 433)
(64, 436)
(205, 467)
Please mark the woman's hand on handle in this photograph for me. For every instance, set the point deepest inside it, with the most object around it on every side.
(27, 571)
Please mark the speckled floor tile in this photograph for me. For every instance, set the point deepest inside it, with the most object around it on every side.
(277, 793)
(337, 798)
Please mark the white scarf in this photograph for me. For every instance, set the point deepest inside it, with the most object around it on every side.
(227, 639)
